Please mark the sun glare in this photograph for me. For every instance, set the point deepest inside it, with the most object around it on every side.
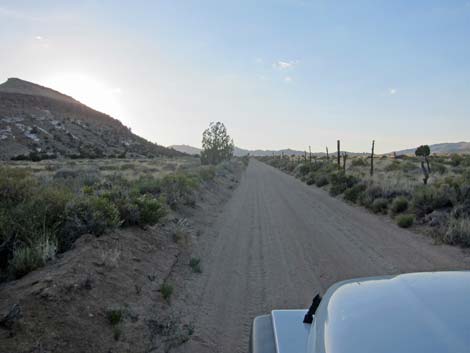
(89, 91)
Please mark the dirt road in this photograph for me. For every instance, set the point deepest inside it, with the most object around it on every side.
(279, 241)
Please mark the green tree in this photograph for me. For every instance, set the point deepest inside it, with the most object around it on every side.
(217, 145)
(424, 151)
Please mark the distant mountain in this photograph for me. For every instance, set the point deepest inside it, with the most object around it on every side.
(186, 149)
(262, 153)
(37, 122)
(240, 152)
(442, 148)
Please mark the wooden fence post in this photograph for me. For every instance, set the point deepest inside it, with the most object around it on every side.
(339, 156)
(372, 159)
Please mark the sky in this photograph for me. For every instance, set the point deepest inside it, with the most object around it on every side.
(278, 74)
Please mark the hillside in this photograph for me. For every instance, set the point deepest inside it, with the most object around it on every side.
(37, 122)
(443, 148)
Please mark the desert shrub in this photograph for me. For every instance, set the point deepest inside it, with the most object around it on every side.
(195, 264)
(39, 213)
(359, 162)
(245, 160)
(150, 209)
(456, 159)
(128, 166)
(108, 167)
(51, 167)
(166, 291)
(320, 166)
(380, 205)
(178, 189)
(340, 182)
(462, 210)
(276, 163)
(16, 186)
(66, 174)
(408, 166)
(148, 185)
(207, 173)
(466, 176)
(372, 192)
(427, 199)
(465, 161)
(27, 258)
(405, 221)
(451, 180)
(129, 213)
(180, 235)
(302, 169)
(395, 165)
(458, 232)
(289, 166)
(321, 180)
(94, 215)
(29, 213)
(354, 193)
(310, 178)
(224, 167)
(438, 168)
(114, 316)
(399, 205)
(89, 176)
(123, 197)
(53, 200)
(5, 225)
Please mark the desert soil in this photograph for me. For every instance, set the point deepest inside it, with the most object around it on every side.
(277, 242)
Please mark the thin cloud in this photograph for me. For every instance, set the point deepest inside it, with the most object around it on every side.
(17, 15)
(392, 91)
(38, 38)
(285, 65)
(288, 79)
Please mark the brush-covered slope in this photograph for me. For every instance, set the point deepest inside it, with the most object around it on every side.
(37, 122)
(443, 148)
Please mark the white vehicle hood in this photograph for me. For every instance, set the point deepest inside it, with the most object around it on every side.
(418, 312)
